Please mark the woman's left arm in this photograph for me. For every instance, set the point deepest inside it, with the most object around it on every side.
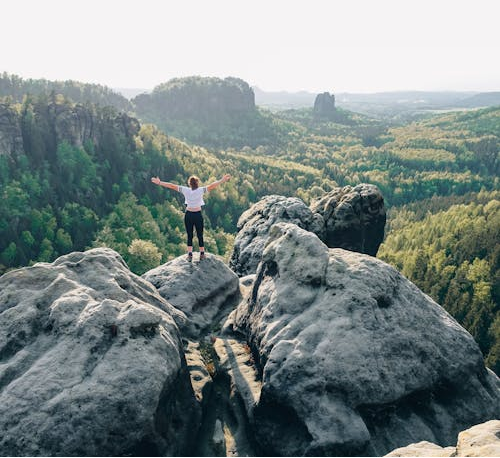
(213, 185)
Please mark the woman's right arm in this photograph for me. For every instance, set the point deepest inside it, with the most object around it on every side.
(157, 181)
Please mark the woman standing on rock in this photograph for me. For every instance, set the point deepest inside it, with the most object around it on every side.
(193, 217)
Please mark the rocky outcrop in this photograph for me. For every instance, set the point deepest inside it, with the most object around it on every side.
(480, 440)
(354, 358)
(354, 218)
(91, 362)
(11, 138)
(210, 112)
(77, 125)
(199, 289)
(194, 97)
(255, 223)
(324, 106)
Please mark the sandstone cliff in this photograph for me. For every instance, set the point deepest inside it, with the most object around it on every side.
(62, 122)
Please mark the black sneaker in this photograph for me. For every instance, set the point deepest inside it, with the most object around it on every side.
(202, 255)
(190, 257)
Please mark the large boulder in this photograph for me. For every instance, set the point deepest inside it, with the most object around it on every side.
(202, 290)
(255, 223)
(354, 218)
(91, 362)
(355, 359)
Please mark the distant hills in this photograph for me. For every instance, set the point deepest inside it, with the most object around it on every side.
(483, 99)
(379, 103)
(283, 100)
(223, 113)
(132, 92)
(210, 111)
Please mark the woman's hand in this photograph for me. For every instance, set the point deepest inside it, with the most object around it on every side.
(226, 177)
(155, 180)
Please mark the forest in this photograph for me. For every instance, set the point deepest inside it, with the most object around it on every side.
(450, 250)
(75, 173)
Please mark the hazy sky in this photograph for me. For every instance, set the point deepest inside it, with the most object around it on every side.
(352, 45)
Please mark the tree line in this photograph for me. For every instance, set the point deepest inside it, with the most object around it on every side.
(451, 251)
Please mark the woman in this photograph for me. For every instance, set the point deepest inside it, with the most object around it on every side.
(193, 217)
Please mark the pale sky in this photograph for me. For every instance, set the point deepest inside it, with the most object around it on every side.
(313, 45)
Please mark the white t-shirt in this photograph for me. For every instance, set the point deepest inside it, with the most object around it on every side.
(193, 198)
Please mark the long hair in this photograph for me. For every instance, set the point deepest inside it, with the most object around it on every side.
(193, 182)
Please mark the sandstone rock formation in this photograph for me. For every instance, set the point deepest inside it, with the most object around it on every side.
(91, 362)
(355, 359)
(74, 124)
(199, 289)
(480, 440)
(255, 223)
(211, 112)
(350, 217)
(11, 138)
(197, 98)
(78, 125)
(354, 218)
(324, 105)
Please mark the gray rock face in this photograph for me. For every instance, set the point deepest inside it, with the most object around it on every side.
(349, 218)
(355, 359)
(11, 139)
(199, 289)
(91, 362)
(255, 223)
(354, 218)
(78, 125)
(74, 124)
(324, 105)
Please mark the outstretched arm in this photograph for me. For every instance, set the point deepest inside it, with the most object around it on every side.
(157, 181)
(213, 185)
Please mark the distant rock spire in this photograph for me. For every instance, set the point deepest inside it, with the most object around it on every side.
(324, 106)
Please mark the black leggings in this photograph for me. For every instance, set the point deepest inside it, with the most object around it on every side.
(192, 220)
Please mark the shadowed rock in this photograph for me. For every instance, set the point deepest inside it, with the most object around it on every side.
(91, 362)
(355, 359)
(354, 218)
